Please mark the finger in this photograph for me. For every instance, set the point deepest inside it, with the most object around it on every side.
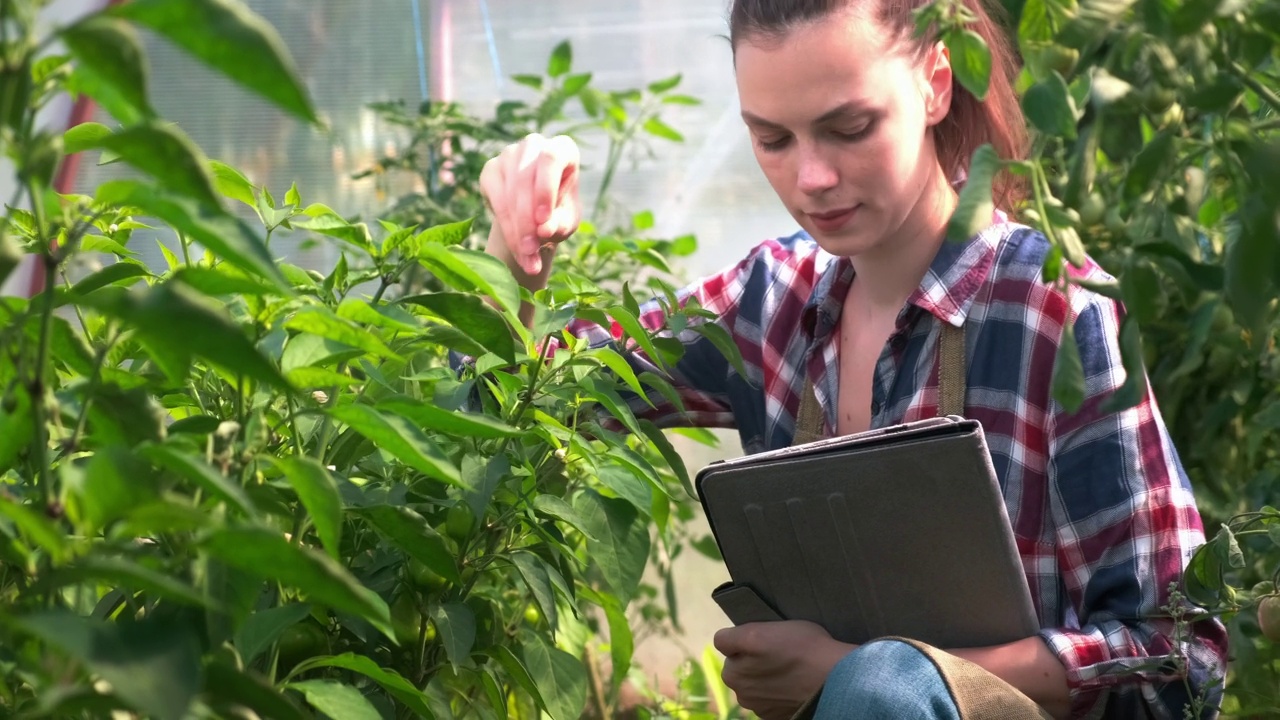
(493, 187)
(557, 188)
(728, 641)
(524, 189)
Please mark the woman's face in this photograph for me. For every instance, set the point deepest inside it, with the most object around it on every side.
(840, 117)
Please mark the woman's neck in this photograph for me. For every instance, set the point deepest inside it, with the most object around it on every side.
(887, 274)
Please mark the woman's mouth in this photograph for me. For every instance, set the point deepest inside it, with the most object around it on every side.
(833, 221)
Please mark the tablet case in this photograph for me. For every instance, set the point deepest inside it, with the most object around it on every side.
(898, 531)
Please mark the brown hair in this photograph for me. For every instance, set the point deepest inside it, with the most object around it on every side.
(969, 124)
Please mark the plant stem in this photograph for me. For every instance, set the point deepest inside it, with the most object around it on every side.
(186, 253)
(1262, 91)
(94, 380)
(37, 387)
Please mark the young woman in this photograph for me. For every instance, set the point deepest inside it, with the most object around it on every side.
(864, 134)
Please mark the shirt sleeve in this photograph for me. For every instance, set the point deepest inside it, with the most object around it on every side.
(1127, 525)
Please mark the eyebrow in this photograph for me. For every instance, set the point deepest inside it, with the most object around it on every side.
(842, 110)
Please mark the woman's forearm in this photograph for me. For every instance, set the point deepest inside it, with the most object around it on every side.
(1028, 665)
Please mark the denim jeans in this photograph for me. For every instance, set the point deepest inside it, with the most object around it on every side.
(886, 680)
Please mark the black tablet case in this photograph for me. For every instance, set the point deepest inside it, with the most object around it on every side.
(900, 531)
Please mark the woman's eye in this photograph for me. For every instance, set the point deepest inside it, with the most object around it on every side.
(773, 145)
(854, 135)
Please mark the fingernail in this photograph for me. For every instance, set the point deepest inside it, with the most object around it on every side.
(534, 264)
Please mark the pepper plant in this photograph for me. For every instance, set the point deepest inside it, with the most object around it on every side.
(230, 487)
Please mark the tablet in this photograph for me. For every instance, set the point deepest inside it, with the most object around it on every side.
(899, 531)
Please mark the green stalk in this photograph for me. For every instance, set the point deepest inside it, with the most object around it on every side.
(37, 387)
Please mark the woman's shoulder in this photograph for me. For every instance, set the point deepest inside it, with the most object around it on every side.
(1022, 256)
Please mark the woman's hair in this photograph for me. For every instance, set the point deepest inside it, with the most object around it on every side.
(970, 123)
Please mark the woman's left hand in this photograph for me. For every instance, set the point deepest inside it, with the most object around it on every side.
(773, 667)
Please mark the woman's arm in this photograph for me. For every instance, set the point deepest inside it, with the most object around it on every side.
(1028, 665)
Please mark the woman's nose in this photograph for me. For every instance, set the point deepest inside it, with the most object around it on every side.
(815, 174)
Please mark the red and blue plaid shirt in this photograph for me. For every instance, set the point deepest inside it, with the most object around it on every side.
(1102, 510)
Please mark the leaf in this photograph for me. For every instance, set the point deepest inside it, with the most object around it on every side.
(670, 454)
(165, 154)
(470, 316)
(468, 270)
(534, 572)
(618, 365)
(1228, 548)
(230, 183)
(617, 408)
(530, 81)
(1050, 108)
(517, 671)
(222, 280)
(266, 554)
(630, 324)
(36, 528)
(1135, 382)
(621, 545)
(336, 700)
(970, 60)
(233, 40)
(450, 234)
(661, 86)
(1152, 164)
(327, 222)
(561, 60)
(115, 273)
(621, 640)
(231, 686)
(557, 508)
(113, 482)
(389, 679)
(657, 128)
(318, 492)
(260, 629)
(291, 196)
(110, 51)
(1203, 576)
(456, 625)
(121, 572)
(84, 136)
(1250, 264)
(154, 666)
(321, 321)
(560, 677)
(1068, 371)
(387, 317)
(400, 438)
(199, 472)
(226, 236)
(1273, 532)
(410, 532)
(725, 343)
(457, 424)
(975, 207)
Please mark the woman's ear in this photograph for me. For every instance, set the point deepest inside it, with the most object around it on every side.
(938, 83)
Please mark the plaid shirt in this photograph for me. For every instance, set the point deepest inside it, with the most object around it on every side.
(1102, 510)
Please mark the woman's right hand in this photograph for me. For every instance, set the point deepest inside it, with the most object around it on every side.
(531, 189)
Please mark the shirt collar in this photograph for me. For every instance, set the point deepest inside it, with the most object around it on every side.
(946, 291)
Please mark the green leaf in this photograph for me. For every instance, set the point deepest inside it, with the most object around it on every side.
(1152, 164)
(233, 40)
(1068, 371)
(561, 60)
(389, 679)
(113, 482)
(35, 527)
(560, 677)
(110, 51)
(165, 154)
(400, 438)
(125, 573)
(534, 571)
(202, 474)
(517, 671)
(222, 280)
(410, 532)
(16, 430)
(320, 321)
(456, 625)
(725, 343)
(657, 128)
(661, 86)
(670, 454)
(318, 492)
(472, 317)
(1050, 107)
(557, 508)
(268, 555)
(336, 700)
(84, 136)
(530, 81)
(1203, 577)
(230, 183)
(621, 641)
(1135, 382)
(226, 236)
(469, 270)
(291, 196)
(457, 424)
(970, 60)
(602, 393)
(975, 207)
(262, 628)
(115, 273)
(618, 365)
(1250, 264)
(1273, 532)
(621, 547)
(327, 222)
(236, 687)
(630, 324)
(1228, 548)
(447, 235)
(154, 666)
(387, 317)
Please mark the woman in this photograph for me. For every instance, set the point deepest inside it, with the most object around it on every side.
(862, 131)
